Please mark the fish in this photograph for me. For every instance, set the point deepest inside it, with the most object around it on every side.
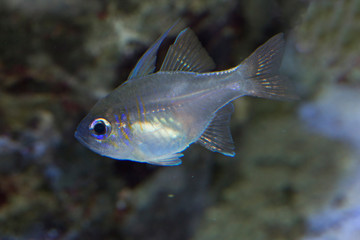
(159, 111)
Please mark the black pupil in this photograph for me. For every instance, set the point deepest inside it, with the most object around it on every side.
(100, 128)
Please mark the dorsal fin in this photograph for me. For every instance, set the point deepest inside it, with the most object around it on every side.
(217, 136)
(187, 54)
(146, 64)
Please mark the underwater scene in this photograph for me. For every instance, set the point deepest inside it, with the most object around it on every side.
(235, 120)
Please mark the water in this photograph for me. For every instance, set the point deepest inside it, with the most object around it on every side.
(294, 174)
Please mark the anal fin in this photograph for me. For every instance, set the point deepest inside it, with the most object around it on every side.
(217, 136)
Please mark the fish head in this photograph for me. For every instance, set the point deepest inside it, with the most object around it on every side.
(100, 132)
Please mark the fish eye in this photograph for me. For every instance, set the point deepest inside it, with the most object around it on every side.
(100, 128)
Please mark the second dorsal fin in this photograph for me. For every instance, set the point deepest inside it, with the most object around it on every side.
(217, 136)
(187, 54)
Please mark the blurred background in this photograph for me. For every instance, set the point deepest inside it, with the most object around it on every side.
(295, 175)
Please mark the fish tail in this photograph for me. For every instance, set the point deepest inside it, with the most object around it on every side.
(261, 72)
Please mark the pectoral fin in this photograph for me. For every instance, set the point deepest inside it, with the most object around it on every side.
(217, 136)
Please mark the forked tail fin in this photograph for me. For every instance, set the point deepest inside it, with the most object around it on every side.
(261, 71)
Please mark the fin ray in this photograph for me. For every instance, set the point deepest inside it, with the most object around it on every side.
(146, 64)
(168, 160)
(217, 136)
(187, 54)
(261, 69)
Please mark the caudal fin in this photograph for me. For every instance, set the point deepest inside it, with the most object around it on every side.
(261, 71)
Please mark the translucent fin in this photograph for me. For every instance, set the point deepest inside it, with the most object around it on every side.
(261, 68)
(146, 64)
(168, 160)
(217, 136)
(187, 54)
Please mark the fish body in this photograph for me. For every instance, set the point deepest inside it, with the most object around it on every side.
(154, 116)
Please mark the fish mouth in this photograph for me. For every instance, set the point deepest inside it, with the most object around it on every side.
(88, 144)
(78, 136)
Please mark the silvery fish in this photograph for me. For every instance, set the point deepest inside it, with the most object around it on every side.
(155, 115)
